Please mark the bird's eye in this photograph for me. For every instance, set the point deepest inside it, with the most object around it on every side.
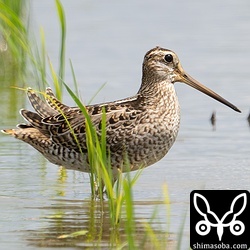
(168, 58)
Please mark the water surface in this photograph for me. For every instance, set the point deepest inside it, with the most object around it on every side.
(106, 42)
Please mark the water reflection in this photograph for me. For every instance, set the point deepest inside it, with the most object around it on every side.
(65, 217)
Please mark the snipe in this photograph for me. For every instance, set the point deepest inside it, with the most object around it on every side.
(144, 127)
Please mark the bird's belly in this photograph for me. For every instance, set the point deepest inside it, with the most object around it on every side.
(141, 152)
(145, 149)
(149, 153)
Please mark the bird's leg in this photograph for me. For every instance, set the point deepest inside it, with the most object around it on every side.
(101, 191)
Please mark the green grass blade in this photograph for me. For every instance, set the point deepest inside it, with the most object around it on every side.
(74, 78)
(43, 57)
(73, 235)
(97, 92)
(61, 15)
(55, 81)
(130, 223)
(90, 139)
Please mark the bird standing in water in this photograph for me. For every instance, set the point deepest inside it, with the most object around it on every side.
(142, 127)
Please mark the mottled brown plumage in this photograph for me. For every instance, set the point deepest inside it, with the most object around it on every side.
(144, 127)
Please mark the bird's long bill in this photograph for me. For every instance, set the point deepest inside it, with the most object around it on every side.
(195, 84)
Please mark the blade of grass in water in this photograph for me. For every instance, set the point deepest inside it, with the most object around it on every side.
(130, 223)
(74, 78)
(90, 138)
(61, 15)
(181, 232)
(97, 92)
(55, 81)
(97, 151)
(43, 57)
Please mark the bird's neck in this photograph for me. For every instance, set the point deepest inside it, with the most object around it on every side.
(160, 93)
(162, 103)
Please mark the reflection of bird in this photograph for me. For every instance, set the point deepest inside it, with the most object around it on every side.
(213, 120)
(141, 128)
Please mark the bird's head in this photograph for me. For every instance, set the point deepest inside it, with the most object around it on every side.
(163, 65)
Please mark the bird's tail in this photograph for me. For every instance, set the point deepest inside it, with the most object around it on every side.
(8, 131)
(43, 110)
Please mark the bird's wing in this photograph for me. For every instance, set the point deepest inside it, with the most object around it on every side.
(67, 125)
